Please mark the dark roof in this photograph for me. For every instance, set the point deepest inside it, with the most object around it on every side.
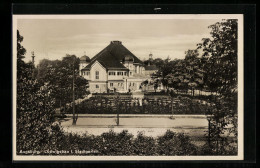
(85, 58)
(151, 67)
(128, 58)
(111, 56)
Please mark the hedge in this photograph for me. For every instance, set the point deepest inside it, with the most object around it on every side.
(104, 105)
(122, 143)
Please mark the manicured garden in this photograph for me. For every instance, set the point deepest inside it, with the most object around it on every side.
(149, 105)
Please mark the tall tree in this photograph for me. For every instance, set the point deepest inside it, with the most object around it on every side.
(165, 69)
(194, 73)
(59, 74)
(23, 69)
(176, 77)
(34, 113)
(220, 52)
(220, 57)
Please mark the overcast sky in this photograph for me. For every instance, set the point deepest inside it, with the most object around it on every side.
(53, 39)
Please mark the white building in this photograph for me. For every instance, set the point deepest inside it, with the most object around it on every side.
(114, 68)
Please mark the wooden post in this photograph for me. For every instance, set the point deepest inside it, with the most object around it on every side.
(172, 106)
(118, 108)
(73, 96)
(209, 125)
(60, 106)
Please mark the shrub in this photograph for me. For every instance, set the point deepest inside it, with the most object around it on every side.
(175, 144)
(34, 115)
(144, 145)
(112, 143)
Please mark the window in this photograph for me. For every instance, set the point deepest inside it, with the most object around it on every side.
(120, 73)
(118, 84)
(112, 73)
(87, 73)
(97, 86)
(130, 73)
(125, 73)
(97, 74)
(111, 84)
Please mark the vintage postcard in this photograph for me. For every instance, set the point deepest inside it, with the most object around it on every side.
(128, 87)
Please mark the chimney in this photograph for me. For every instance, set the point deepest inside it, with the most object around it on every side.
(116, 42)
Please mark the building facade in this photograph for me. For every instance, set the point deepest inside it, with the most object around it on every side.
(114, 68)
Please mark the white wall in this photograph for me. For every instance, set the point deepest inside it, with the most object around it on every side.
(84, 74)
(82, 65)
(102, 72)
(117, 77)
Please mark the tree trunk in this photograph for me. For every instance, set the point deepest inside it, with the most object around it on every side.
(172, 106)
(64, 107)
(60, 106)
(73, 97)
(209, 132)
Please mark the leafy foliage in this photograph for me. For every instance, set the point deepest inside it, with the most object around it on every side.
(59, 74)
(34, 106)
(144, 145)
(175, 144)
(220, 54)
(115, 144)
(112, 143)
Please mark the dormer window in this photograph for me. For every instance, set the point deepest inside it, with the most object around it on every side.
(128, 58)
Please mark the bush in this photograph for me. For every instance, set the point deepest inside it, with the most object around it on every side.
(144, 145)
(112, 143)
(223, 147)
(175, 144)
(34, 115)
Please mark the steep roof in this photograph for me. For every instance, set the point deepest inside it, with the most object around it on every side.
(111, 56)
